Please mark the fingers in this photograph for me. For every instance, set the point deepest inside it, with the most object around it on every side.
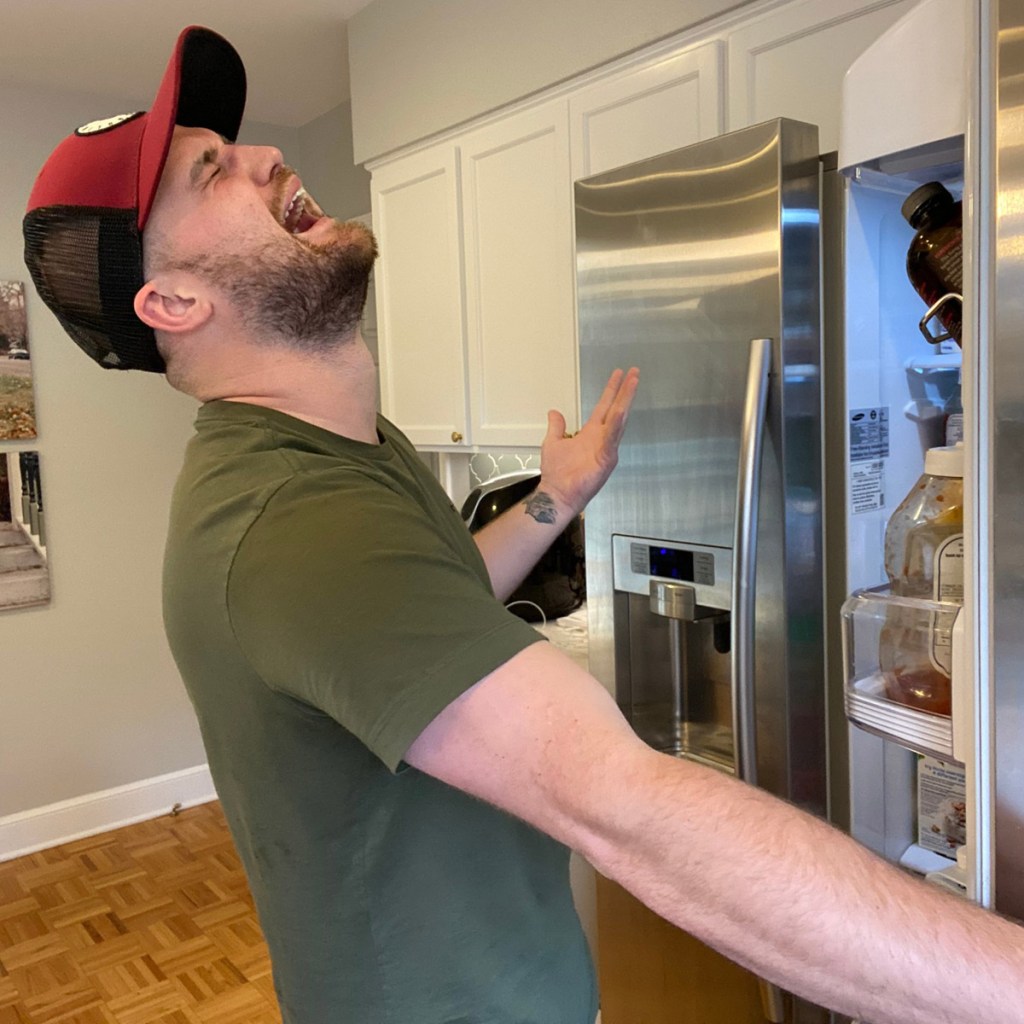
(618, 395)
(604, 403)
(611, 409)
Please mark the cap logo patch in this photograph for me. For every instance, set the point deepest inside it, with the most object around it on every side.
(104, 125)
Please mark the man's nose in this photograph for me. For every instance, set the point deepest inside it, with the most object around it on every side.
(261, 163)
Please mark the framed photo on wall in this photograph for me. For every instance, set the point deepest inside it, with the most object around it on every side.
(24, 562)
(17, 402)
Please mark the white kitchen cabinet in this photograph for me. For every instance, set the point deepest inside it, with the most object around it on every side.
(790, 62)
(641, 111)
(420, 322)
(519, 275)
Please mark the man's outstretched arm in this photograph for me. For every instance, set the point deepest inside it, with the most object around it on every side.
(771, 887)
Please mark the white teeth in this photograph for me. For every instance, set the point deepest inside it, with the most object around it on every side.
(297, 201)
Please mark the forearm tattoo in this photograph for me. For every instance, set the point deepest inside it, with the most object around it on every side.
(541, 506)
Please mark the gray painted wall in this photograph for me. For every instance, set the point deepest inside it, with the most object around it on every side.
(417, 68)
(91, 698)
(327, 167)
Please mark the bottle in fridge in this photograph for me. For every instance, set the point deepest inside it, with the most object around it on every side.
(935, 256)
(924, 552)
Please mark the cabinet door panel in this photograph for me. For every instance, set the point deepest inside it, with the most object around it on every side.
(645, 111)
(419, 299)
(791, 62)
(521, 317)
(653, 972)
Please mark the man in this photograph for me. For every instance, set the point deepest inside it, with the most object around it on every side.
(403, 765)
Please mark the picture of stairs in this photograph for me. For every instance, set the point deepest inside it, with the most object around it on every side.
(24, 577)
(24, 573)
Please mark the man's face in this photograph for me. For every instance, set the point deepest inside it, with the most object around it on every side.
(237, 217)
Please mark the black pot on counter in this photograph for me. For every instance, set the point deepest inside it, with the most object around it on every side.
(557, 583)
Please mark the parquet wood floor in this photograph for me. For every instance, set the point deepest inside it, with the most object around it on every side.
(149, 924)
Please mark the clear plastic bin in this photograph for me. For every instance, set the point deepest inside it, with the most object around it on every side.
(866, 615)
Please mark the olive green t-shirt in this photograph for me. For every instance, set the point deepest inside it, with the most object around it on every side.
(324, 601)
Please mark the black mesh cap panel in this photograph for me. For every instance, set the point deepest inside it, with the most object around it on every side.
(86, 263)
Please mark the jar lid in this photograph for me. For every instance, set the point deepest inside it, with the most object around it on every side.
(945, 461)
(920, 204)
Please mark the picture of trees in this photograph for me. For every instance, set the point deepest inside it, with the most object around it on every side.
(17, 405)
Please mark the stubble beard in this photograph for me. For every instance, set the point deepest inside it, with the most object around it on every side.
(299, 294)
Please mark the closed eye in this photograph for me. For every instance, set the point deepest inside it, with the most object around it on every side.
(209, 158)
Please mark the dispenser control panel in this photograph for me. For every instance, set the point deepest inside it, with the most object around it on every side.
(673, 563)
(638, 560)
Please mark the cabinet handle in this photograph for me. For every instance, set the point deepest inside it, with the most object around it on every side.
(456, 437)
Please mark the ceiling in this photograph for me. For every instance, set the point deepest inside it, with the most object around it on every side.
(295, 52)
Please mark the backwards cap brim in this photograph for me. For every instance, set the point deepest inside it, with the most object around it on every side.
(203, 87)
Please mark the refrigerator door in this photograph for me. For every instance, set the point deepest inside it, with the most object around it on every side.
(704, 572)
(1000, 445)
(683, 261)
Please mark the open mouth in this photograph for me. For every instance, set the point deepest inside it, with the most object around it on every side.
(301, 213)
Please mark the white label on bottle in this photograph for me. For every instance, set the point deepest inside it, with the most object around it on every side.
(866, 492)
(949, 569)
(948, 586)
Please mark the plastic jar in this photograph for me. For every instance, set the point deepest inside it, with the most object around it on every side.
(924, 550)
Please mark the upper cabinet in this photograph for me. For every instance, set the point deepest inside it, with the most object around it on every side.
(475, 295)
(420, 322)
(791, 61)
(646, 110)
(520, 305)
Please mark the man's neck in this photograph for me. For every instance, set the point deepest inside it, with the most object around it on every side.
(336, 391)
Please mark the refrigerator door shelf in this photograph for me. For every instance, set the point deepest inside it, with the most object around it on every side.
(868, 707)
(875, 620)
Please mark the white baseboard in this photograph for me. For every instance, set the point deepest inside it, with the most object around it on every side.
(88, 815)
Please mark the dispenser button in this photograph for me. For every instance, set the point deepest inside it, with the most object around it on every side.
(704, 568)
(638, 558)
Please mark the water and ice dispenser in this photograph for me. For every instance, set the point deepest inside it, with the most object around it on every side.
(672, 645)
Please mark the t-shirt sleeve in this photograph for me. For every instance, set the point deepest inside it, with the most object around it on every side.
(344, 595)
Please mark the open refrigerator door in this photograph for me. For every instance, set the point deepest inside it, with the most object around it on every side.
(934, 781)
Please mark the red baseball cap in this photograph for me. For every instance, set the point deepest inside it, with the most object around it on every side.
(83, 227)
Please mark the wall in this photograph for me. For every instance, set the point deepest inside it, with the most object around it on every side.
(417, 68)
(327, 167)
(91, 699)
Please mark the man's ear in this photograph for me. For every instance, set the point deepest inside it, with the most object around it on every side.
(171, 306)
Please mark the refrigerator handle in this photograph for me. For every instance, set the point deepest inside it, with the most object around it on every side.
(744, 576)
(744, 560)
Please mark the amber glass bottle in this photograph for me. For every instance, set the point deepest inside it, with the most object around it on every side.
(935, 257)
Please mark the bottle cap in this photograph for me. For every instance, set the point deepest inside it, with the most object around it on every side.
(923, 201)
(945, 461)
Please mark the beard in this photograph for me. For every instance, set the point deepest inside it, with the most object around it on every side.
(305, 296)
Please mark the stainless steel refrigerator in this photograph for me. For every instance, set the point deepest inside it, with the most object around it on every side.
(704, 550)
(735, 559)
